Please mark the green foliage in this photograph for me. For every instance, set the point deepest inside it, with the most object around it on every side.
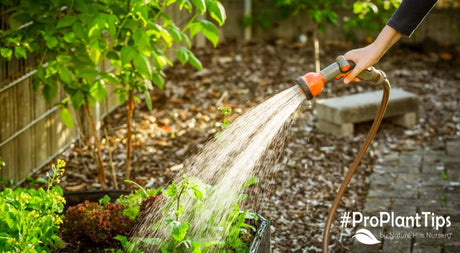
(135, 202)
(444, 175)
(226, 111)
(369, 15)
(75, 40)
(177, 231)
(30, 219)
(320, 12)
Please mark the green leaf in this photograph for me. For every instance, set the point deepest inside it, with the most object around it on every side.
(200, 5)
(148, 100)
(112, 55)
(64, 58)
(194, 61)
(166, 36)
(198, 194)
(65, 74)
(444, 175)
(175, 33)
(79, 31)
(7, 53)
(66, 117)
(142, 64)
(98, 91)
(141, 39)
(217, 11)
(69, 37)
(78, 99)
(179, 230)
(196, 247)
(251, 181)
(158, 80)
(182, 55)
(50, 91)
(210, 31)
(127, 54)
(172, 190)
(51, 42)
(184, 3)
(66, 21)
(104, 200)
(194, 28)
(95, 53)
(20, 52)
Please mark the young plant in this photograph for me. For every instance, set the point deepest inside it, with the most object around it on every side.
(76, 37)
(226, 111)
(30, 219)
(144, 33)
(177, 229)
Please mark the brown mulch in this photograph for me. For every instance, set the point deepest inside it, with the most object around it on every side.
(312, 165)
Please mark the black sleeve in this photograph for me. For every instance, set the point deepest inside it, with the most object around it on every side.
(410, 14)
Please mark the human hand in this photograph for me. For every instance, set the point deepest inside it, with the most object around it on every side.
(363, 58)
(367, 56)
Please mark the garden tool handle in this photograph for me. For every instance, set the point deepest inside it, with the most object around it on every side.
(311, 84)
(342, 67)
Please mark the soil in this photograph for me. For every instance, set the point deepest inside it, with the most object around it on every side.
(297, 197)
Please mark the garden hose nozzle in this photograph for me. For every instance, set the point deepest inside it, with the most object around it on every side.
(311, 84)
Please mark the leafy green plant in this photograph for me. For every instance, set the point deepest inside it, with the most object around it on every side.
(226, 111)
(76, 37)
(444, 175)
(139, 201)
(177, 231)
(29, 218)
(369, 15)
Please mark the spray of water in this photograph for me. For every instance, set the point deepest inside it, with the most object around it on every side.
(227, 161)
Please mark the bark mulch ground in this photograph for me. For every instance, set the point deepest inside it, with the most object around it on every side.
(297, 197)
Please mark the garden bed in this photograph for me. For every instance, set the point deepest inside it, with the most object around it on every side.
(297, 197)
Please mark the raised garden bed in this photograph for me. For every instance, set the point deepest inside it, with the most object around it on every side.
(259, 239)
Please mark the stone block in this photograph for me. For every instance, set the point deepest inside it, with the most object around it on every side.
(345, 129)
(363, 106)
(407, 120)
(346, 110)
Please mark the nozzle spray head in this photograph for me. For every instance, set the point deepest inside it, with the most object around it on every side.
(311, 84)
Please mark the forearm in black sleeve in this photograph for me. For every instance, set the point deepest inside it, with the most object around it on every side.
(410, 14)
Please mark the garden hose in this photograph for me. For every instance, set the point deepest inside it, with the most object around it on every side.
(311, 85)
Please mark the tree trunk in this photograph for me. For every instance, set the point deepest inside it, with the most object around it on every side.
(101, 171)
(129, 134)
(316, 45)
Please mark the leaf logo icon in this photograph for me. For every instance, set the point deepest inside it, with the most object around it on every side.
(366, 237)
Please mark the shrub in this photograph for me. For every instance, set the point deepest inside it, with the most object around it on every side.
(29, 218)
